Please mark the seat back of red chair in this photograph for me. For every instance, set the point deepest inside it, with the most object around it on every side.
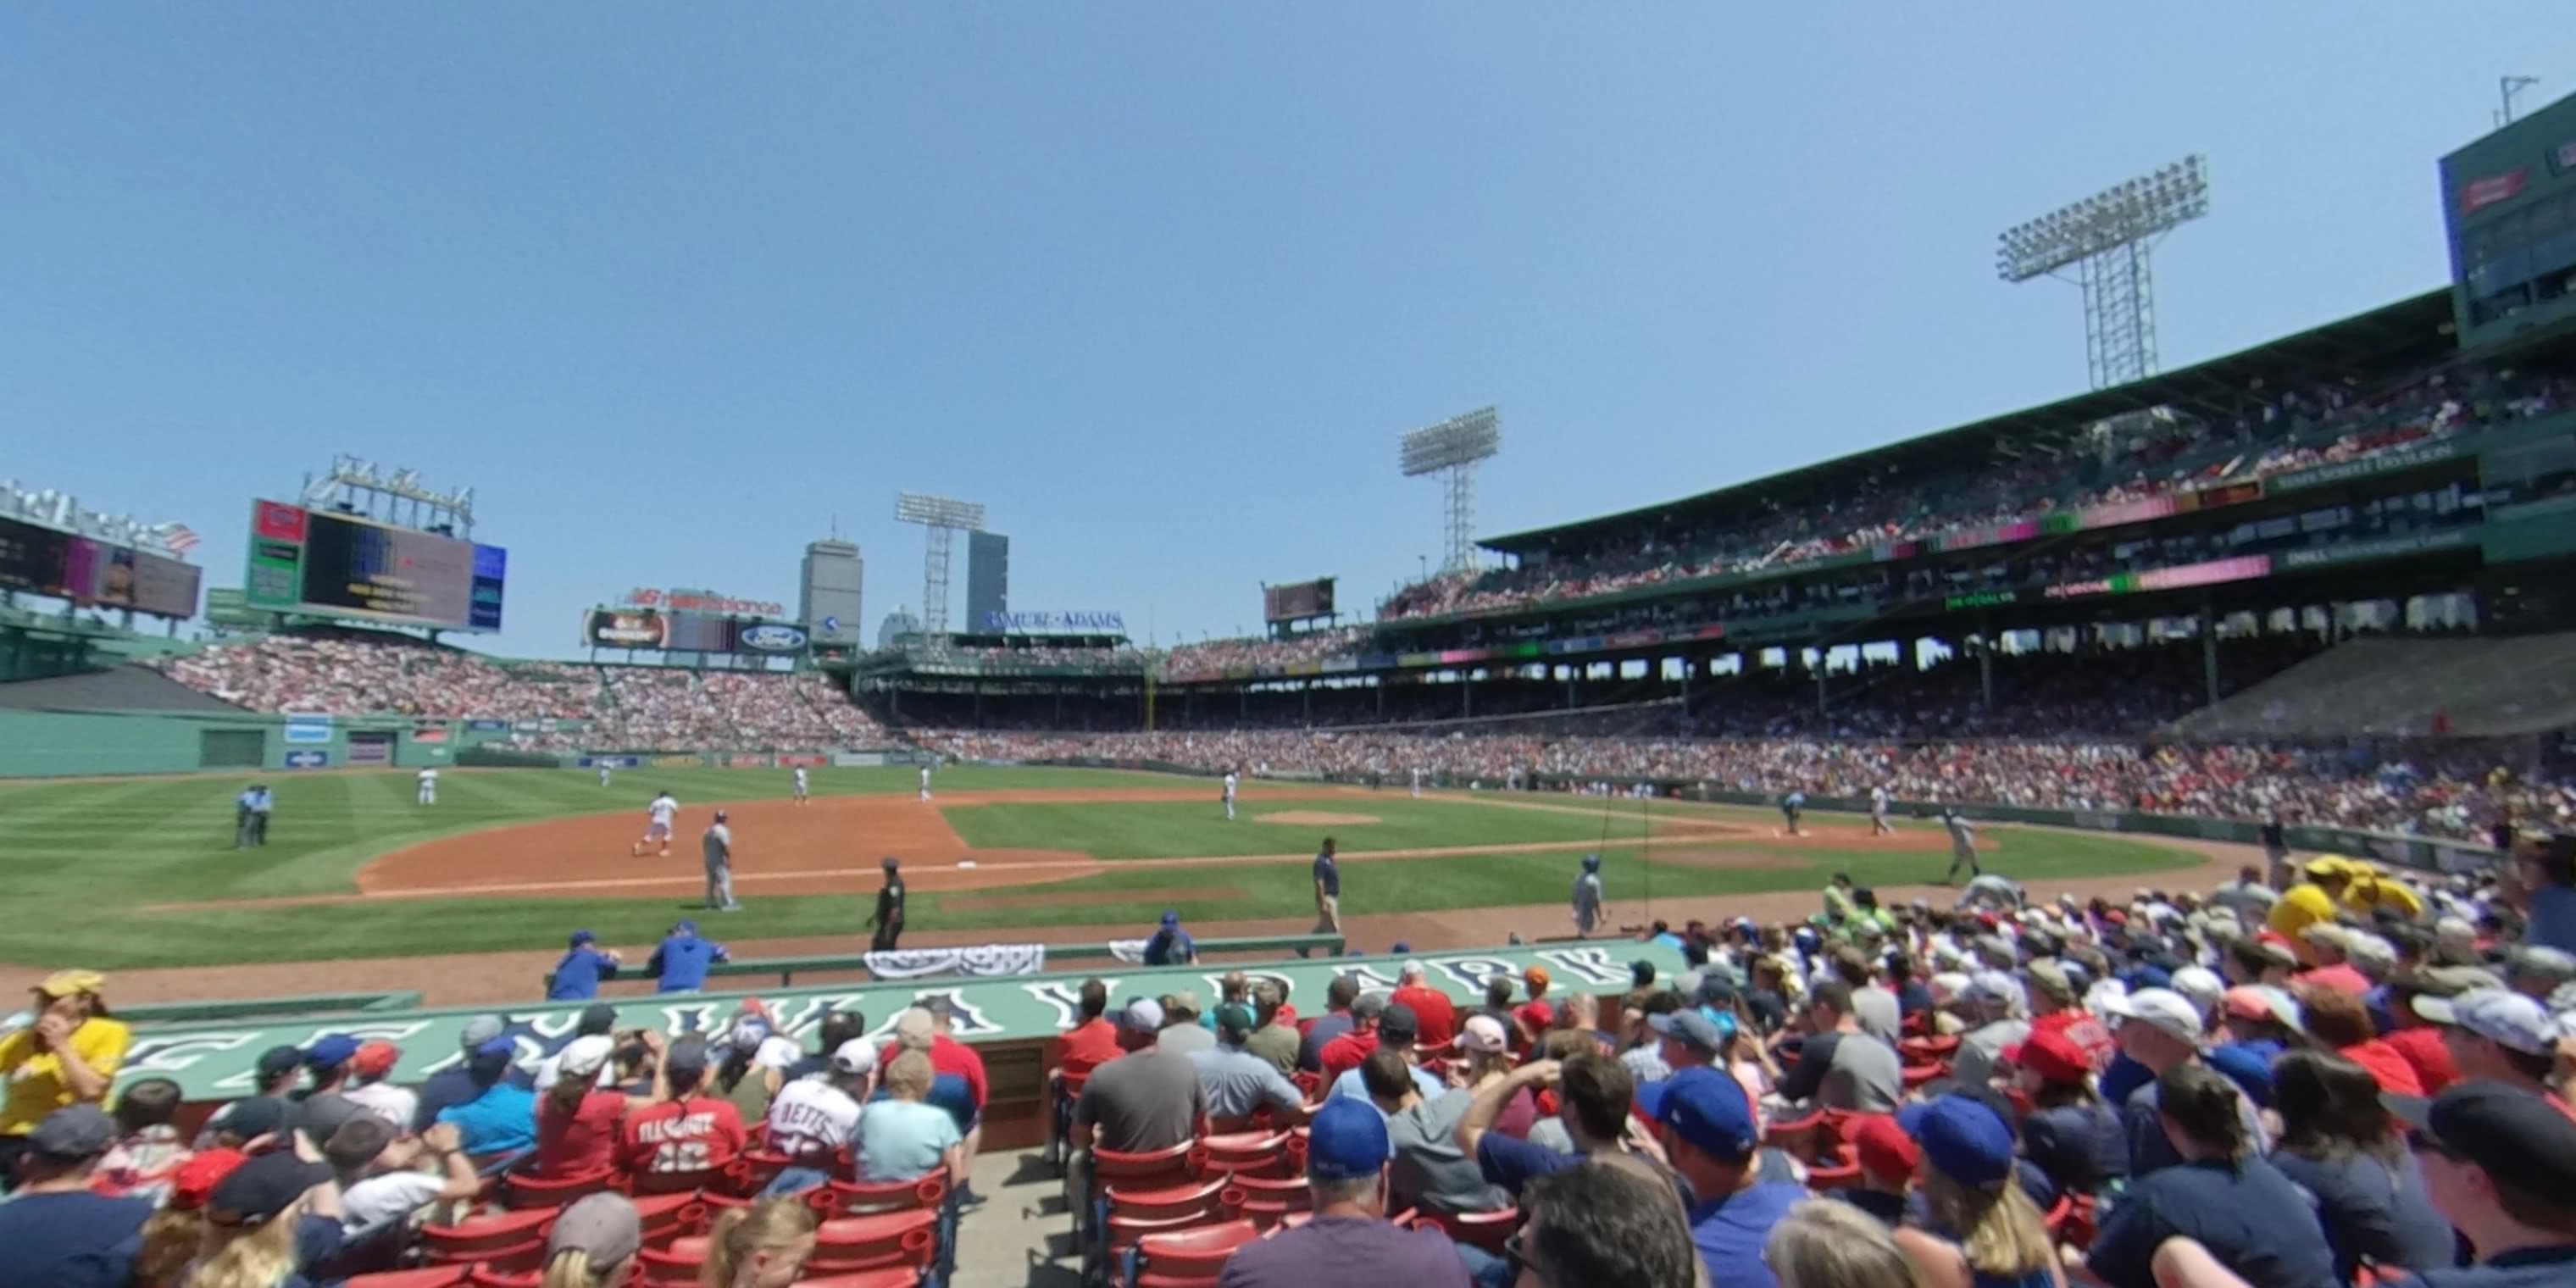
(522, 1191)
(476, 1238)
(889, 1277)
(1161, 1167)
(1837, 1176)
(1796, 1137)
(875, 1242)
(1258, 1153)
(677, 1264)
(1201, 1252)
(1486, 1230)
(487, 1277)
(846, 1198)
(426, 1277)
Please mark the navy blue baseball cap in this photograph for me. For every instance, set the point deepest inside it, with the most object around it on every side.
(1969, 1142)
(580, 937)
(1706, 1108)
(1346, 1141)
(684, 924)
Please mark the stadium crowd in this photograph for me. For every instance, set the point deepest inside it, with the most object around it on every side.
(2317, 1077)
(612, 707)
(1216, 657)
(2420, 789)
(2295, 431)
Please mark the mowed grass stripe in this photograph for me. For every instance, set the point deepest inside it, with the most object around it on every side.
(85, 857)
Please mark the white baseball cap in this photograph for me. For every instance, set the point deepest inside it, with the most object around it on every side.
(858, 1055)
(584, 1057)
(2161, 1007)
(2505, 1018)
(2200, 986)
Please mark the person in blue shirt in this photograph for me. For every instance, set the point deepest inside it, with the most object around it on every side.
(680, 964)
(1712, 1142)
(1977, 1219)
(501, 1119)
(455, 1084)
(1171, 945)
(2221, 1194)
(2500, 1162)
(57, 1233)
(1328, 891)
(578, 975)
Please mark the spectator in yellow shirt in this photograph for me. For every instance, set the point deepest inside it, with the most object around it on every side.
(2365, 892)
(68, 1056)
(2309, 903)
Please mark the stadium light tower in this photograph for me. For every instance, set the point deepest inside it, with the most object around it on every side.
(2105, 239)
(1451, 450)
(941, 518)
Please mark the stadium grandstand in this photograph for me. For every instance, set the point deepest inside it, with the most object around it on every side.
(2304, 597)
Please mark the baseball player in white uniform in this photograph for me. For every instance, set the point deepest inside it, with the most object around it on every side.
(800, 785)
(663, 812)
(1963, 845)
(925, 782)
(1417, 784)
(1231, 782)
(605, 773)
(1878, 824)
(429, 787)
(718, 845)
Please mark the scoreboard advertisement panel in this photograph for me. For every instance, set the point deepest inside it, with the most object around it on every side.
(629, 627)
(94, 574)
(1297, 600)
(342, 565)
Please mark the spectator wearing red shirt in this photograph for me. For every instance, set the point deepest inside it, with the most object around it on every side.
(1432, 1009)
(685, 1129)
(2500, 1036)
(1093, 1042)
(2418, 1040)
(2340, 1023)
(577, 1124)
(2055, 1007)
(2333, 969)
(1345, 1053)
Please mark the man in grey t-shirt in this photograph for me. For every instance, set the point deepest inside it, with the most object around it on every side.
(1428, 1170)
(1239, 1082)
(1147, 1100)
(718, 844)
(1994, 1006)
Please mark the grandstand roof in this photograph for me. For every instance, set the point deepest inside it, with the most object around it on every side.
(2412, 332)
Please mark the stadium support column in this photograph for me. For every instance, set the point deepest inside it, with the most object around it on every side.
(1687, 667)
(1986, 664)
(1306, 702)
(1381, 698)
(1467, 695)
(2209, 651)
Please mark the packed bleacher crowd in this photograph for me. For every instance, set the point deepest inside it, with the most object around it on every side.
(2296, 431)
(1216, 657)
(609, 707)
(2424, 789)
(2323, 1076)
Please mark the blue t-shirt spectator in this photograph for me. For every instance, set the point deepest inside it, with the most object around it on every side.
(1512, 1163)
(501, 1120)
(901, 1140)
(2080, 1148)
(1171, 946)
(1729, 1233)
(70, 1240)
(2250, 1216)
(1330, 874)
(1913, 997)
(2122, 1079)
(2552, 915)
(1350, 1084)
(578, 975)
(680, 964)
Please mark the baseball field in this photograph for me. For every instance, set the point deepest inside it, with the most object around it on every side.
(134, 873)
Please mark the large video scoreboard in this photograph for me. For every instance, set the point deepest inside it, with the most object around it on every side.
(94, 574)
(343, 565)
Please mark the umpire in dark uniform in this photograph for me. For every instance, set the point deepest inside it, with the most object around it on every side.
(888, 921)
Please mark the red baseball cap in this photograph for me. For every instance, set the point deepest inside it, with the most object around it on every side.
(1536, 1015)
(196, 1179)
(375, 1060)
(1881, 1147)
(2051, 1054)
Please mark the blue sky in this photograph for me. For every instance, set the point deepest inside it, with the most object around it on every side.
(1159, 283)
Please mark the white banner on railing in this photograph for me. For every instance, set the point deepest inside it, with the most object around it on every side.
(984, 960)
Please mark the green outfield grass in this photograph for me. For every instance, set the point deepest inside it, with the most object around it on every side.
(1198, 829)
(82, 859)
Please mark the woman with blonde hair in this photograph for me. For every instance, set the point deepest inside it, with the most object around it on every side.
(252, 1216)
(592, 1242)
(762, 1246)
(174, 1235)
(1983, 1231)
(1827, 1243)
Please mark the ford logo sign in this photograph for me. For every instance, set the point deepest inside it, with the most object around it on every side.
(773, 639)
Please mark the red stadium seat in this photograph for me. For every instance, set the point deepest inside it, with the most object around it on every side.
(1796, 1137)
(486, 1238)
(1135, 1212)
(676, 1266)
(522, 1191)
(1485, 1230)
(1190, 1258)
(1161, 1167)
(1266, 1201)
(732, 1178)
(907, 1240)
(668, 1216)
(890, 1277)
(845, 1198)
(426, 1277)
(487, 1277)
(1246, 1153)
(1917, 1075)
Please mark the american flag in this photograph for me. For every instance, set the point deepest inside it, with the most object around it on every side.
(179, 537)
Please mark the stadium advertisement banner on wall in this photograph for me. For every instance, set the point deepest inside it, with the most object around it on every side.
(308, 759)
(429, 731)
(676, 762)
(745, 760)
(622, 628)
(371, 749)
(308, 728)
(610, 762)
(803, 760)
(488, 726)
(770, 637)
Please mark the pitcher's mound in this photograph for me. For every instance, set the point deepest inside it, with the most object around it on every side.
(1316, 818)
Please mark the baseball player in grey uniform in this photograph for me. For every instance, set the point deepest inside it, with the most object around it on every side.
(718, 844)
(1963, 845)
